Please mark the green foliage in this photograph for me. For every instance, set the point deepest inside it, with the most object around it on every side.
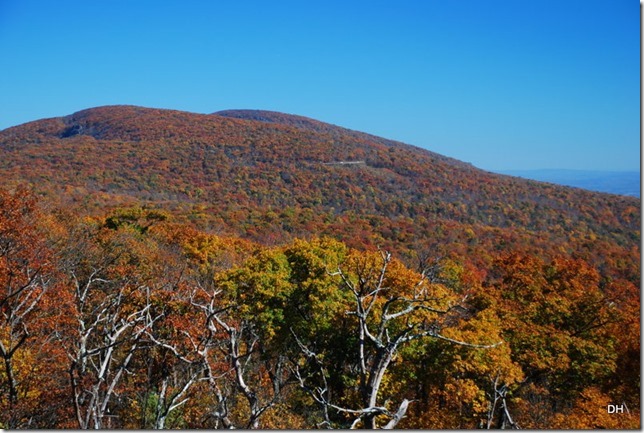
(261, 288)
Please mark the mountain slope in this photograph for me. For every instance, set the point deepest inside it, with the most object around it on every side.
(271, 175)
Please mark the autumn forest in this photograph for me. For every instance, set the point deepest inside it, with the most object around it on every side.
(251, 269)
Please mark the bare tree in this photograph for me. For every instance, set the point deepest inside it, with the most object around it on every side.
(113, 312)
(498, 407)
(16, 304)
(110, 332)
(387, 319)
(25, 276)
(189, 369)
(174, 395)
(236, 341)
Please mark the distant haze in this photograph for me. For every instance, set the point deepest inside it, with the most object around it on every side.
(614, 182)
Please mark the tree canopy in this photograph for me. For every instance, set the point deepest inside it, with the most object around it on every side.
(134, 320)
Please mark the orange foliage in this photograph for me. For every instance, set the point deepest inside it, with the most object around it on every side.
(160, 213)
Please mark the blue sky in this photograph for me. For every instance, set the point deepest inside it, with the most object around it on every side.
(503, 84)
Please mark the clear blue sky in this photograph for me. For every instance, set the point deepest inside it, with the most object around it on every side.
(503, 84)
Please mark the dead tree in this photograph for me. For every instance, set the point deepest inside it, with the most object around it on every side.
(499, 405)
(110, 331)
(386, 319)
(25, 276)
(235, 341)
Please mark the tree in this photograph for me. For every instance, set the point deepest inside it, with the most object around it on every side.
(26, 273)
(258, 378)
(171, 366)
(391, 307)
(557, 320)
(109, 277)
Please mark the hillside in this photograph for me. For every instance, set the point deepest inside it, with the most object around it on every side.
(267, 175)
(251, 269)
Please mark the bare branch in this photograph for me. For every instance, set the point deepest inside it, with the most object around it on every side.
(402, 410)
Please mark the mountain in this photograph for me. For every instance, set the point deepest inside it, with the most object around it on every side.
(271, 176)
(613, 182)
(167, 246)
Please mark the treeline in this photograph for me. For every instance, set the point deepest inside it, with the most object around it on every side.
(134, 320)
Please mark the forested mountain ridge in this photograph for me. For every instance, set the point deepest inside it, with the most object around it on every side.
(164, 269)
(290, 165)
